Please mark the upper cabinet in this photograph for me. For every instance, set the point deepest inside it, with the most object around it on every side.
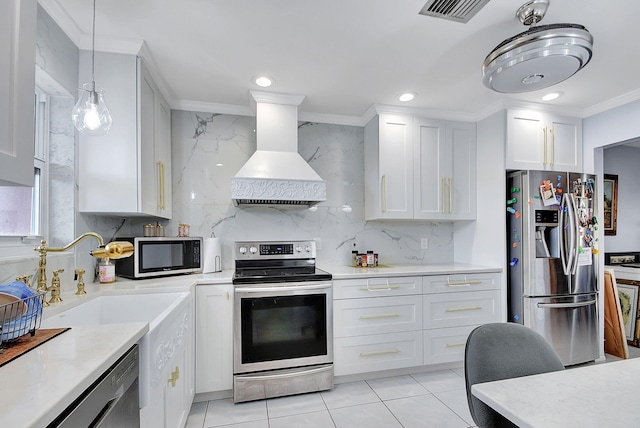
(126, 172)
(419, 169)
(543, 141)
(17, 89)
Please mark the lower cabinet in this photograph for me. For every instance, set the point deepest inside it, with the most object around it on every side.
(214, 337)
(172, 375)
(395, 325)
(377, 352)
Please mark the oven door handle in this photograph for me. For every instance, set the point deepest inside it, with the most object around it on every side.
(282, 288)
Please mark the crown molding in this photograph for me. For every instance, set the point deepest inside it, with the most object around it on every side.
(612, 103)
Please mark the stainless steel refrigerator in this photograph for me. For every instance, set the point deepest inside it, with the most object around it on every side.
(552, 272)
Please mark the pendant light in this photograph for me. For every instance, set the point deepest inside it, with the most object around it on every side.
(90, 114)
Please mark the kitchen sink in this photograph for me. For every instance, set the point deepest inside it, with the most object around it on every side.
(170, 318)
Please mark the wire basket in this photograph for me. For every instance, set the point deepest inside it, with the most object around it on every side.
(20, 317)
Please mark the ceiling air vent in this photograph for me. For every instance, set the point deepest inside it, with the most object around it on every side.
(453, 10)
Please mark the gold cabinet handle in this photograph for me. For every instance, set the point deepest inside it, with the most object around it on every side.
(450, 195)
(175, 375)
(544, 133)
(553, 148)
(463, 284)
(442, 195)
(382, 287)
(371, 317)
(453, 345)
(371, 354)
(471, 308)
(161, 203)
(383, 185)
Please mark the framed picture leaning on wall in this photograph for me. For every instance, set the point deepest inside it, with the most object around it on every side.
(610, 196)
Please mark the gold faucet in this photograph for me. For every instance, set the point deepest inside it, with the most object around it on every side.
(114, 250)
(42, 263)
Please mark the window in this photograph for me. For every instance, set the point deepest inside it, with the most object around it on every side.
(23, 209)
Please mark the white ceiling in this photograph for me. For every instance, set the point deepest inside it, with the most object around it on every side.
(347, 55)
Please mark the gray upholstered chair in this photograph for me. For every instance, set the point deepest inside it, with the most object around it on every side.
(502, 351)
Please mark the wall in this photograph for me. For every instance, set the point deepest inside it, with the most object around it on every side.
(202, 194)
(623, 162)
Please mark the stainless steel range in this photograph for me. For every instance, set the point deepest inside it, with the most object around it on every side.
(283, 321)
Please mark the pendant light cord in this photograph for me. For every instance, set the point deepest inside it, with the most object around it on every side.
(93, 46)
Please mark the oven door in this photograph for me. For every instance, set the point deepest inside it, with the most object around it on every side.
(282, 326)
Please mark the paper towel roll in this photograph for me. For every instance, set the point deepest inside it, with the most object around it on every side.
(212, 255)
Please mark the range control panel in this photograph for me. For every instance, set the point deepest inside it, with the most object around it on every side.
(255, 250)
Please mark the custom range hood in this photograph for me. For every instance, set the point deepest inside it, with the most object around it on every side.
(276, 174)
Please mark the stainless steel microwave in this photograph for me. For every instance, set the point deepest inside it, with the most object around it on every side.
(153, 257)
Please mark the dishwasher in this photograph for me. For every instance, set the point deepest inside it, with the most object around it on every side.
(110, 402)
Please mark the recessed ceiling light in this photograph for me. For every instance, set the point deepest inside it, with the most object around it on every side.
(407, 96)
(263, 81)
(552, 96)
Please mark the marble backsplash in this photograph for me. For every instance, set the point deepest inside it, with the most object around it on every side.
(208, 149)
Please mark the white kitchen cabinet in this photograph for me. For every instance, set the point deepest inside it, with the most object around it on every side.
(419, 169)
(126, 172)
(172, 373)
(376, 287)
(453, 305)
(445, 170)
(214, 337)
(388, 167)
(17, 86)
(543, 141)
(377, 352)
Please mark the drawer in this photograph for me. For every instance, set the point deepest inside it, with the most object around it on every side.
(377, 352)
(445, 345)
(376, 287)
(461, 282)
(357, 317)
(458, 309)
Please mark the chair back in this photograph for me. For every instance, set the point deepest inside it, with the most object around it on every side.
(502, 351)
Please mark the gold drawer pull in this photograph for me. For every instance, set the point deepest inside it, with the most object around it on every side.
(463, 283)
(370, 317)
(472, 308)
(380, 287)
(371, 354)
(453, 345)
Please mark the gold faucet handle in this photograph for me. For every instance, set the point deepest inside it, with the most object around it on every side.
(57, 271)
(78, 275)
(24, 278)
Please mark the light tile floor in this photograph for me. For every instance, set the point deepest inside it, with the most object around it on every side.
(434, 399)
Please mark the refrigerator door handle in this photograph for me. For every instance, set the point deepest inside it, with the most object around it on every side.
(566, 260)
(576, 233)
(566, 305)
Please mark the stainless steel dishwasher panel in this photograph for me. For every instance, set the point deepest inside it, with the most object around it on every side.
(111, 402)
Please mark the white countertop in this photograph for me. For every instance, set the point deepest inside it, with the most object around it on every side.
(593, 396)
(37, 386)
(349, 272)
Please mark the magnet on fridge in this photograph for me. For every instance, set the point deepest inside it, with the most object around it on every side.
(512, 201)
(559, 177)
(516, 317)
(511, 210)
(517, 214)
(514, 261)
(536, 196)
(515, 189)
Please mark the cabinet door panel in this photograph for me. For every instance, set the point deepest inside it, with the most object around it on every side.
(357, 317)
(566, 145)
(461, 282)
(396, 172)
(459, 309)
(377, 352)
(525, 140)
(462, 187)
(376, 287)
(17, 90)
(445, 345)
(214, 338)
(432, 168)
